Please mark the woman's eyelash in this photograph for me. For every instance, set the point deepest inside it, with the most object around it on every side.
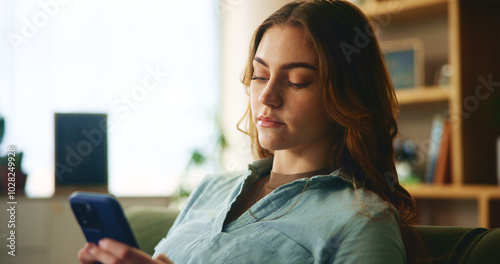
(294, 85)
(299, 85)
(258, 78)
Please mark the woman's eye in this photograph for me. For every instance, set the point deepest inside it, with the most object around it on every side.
(298, 85)
(258, 78)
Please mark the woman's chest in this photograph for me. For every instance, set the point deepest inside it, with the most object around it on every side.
(198, 242)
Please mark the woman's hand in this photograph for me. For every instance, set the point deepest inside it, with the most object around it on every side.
(113, 252)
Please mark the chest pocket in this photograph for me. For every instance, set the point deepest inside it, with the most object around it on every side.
(256, 245)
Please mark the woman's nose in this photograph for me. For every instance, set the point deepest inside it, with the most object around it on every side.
(271, 95)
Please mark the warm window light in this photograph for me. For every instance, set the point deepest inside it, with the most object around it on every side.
(151, 66)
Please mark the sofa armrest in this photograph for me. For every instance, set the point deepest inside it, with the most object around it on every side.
(150, 224)
(463, 245)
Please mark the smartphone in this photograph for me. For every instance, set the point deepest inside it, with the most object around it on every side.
(100, 216)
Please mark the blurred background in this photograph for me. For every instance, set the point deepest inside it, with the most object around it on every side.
(153, 67)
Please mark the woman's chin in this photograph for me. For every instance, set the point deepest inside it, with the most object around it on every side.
(270, 144)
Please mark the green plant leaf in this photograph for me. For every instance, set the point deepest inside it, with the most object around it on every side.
(221, 141)
(197, 158)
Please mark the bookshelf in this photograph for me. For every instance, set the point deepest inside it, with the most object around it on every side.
(463, 34)
(423, 95)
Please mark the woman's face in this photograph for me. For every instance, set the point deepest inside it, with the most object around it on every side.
(285, 96)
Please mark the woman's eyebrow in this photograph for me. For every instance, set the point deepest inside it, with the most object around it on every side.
(261, 61)
(297, 65)
(288, 65)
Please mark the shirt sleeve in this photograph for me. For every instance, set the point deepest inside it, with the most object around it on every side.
(372, 240)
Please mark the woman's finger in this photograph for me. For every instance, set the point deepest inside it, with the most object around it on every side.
(84, 257)
(164, 259)
(123, 252)
(104, 256)
(112, 251)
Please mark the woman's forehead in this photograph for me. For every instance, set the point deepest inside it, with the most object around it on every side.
(286, 44)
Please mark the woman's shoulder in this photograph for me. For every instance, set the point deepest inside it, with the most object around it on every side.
(350, 213)
(351, 202)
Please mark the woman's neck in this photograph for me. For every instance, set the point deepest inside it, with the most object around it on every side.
(288, 162)
(289, 166)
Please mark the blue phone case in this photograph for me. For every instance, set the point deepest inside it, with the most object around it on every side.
(100, 216)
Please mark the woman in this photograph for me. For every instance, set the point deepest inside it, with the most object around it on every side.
(323, 190)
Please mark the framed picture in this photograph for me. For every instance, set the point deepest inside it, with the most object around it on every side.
(405, 61)
(81, 149)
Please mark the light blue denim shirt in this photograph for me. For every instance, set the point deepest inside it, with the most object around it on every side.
(327, 225)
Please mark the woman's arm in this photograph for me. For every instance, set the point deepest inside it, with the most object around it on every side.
(375, 240)
(111, 251)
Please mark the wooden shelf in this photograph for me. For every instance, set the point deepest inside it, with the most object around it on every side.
(454, 191)
(450, 30)
(486, 198)
(423, 95)
(405, 9)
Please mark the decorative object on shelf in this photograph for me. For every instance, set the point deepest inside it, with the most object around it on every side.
(405, 61)
(404, 159)
(15, 166)
(443, 75)
(81, 149)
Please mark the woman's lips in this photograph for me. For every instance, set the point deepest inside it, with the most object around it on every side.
(269, 122)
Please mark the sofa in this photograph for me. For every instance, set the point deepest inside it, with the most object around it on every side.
(446, 244)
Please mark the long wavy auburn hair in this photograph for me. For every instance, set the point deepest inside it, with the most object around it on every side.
(358, 97)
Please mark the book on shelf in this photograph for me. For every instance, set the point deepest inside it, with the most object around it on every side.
(442, 172)
(439, 154)
(432, 154)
